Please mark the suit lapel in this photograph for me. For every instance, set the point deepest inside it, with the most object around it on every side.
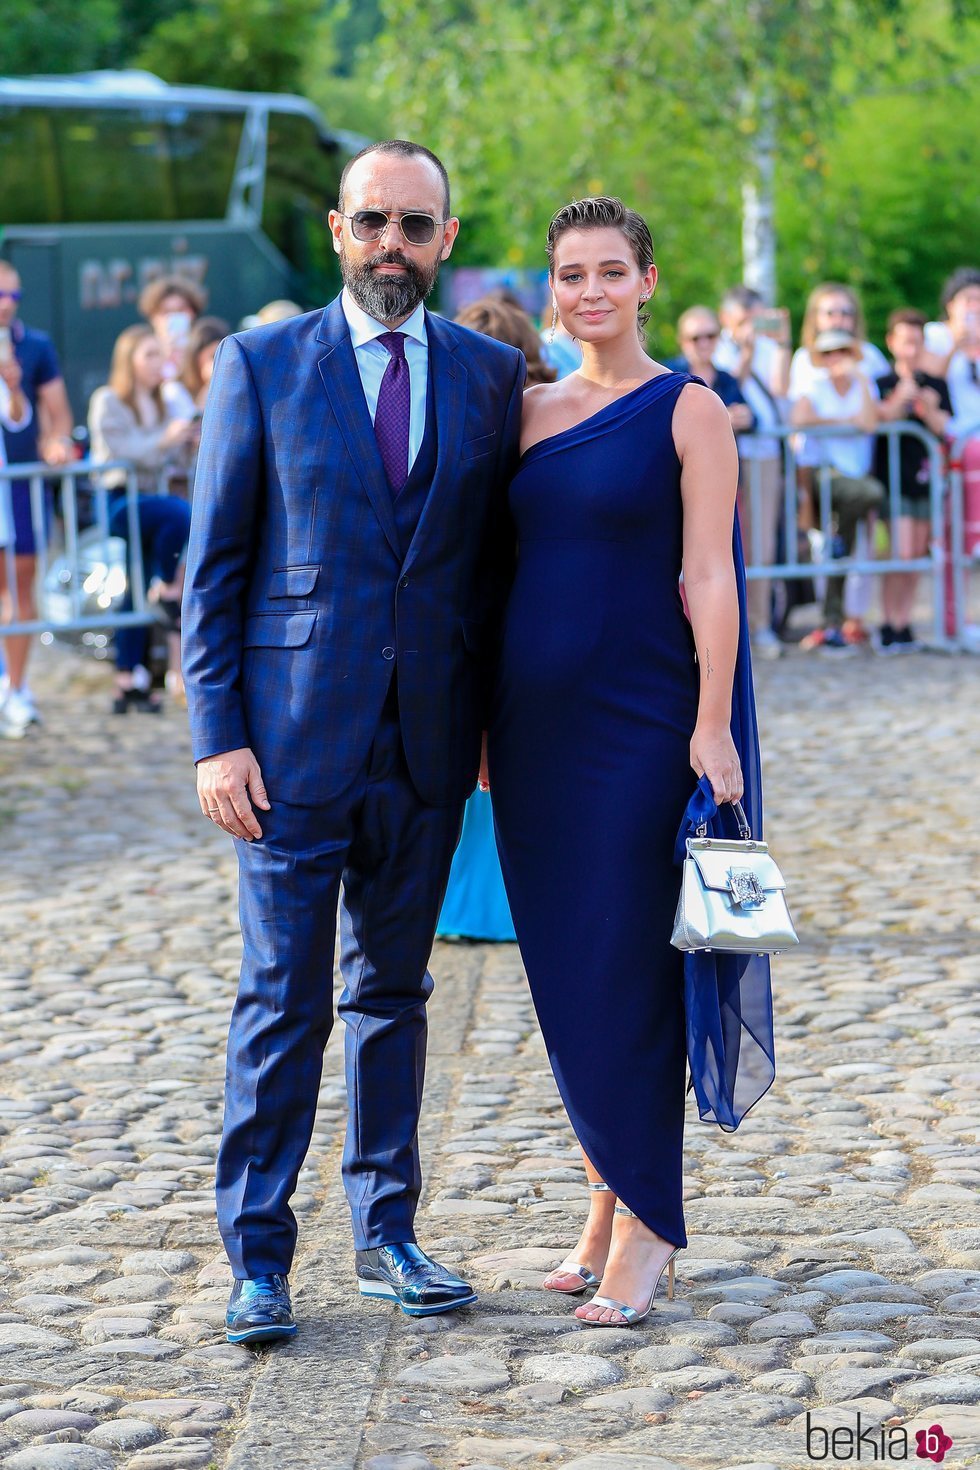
(449, 383)
(342, 383)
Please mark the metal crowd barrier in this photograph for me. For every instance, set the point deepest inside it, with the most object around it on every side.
(947, 562)
(934, 564)
(73, 617)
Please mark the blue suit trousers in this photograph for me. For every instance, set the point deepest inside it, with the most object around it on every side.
(390, 853)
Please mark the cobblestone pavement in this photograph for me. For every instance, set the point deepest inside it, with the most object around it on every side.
(834, 1264)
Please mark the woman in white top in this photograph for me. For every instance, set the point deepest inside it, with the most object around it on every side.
(831, 306)
(128, 421)
(841, 394)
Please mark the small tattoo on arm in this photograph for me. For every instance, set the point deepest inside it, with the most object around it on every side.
(707, 663)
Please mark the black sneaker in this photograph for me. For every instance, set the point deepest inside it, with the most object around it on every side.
(887, 640)
(905, 639)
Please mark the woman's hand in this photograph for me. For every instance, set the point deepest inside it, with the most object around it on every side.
(713, 754)
(483, 780)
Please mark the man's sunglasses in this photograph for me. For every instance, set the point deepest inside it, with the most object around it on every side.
(702, 337)
(14, 295)
(370, 224)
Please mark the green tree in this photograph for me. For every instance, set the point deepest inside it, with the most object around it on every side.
(252, 45)
(42, 36)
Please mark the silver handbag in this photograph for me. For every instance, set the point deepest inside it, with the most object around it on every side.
(732, 896)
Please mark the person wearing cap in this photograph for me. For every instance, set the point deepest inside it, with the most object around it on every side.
(841, 395)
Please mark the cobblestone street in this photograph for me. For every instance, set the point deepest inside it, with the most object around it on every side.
(834, 1263)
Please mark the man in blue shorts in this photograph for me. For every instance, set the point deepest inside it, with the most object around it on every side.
(47, 436)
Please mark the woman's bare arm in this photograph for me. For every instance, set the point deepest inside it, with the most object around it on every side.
(709, 477)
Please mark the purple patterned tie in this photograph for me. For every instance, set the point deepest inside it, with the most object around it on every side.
(394, 412)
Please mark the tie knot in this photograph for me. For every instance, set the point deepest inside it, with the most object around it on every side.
(395, 343)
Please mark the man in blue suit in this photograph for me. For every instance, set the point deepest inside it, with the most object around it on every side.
(348, 556)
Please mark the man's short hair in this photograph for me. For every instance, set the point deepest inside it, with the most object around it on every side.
(743, 296)
(404, 149)
(967, 275)
(906, 316)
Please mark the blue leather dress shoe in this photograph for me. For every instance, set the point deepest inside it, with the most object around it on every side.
(259, 1310)
(406, 1275)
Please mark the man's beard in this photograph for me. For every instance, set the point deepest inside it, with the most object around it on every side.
(387, 298)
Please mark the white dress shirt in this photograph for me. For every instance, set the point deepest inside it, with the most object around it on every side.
(373, 357)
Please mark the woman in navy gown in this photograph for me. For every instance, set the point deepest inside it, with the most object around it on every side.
(610, 705)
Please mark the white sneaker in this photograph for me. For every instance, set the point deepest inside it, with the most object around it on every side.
(766, 644)
(17, 711)
(9, 731)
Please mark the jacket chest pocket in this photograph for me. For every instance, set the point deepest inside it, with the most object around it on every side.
(292, 581)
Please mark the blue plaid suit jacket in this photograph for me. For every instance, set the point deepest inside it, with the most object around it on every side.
(296, 593)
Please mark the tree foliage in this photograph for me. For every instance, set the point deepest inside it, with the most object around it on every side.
(260, 45)
(41, 36)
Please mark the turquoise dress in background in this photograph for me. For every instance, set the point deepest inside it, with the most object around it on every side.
(476, 904)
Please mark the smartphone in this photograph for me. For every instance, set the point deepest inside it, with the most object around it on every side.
(770, 323)
(6, 345)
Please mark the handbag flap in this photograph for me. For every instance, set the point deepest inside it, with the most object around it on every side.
(717, 859)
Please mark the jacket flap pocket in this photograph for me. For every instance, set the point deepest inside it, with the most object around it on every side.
(292, 581)
(475, 447)
(716, 864)
(278, 630)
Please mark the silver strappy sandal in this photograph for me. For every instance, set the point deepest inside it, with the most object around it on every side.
(575, 1268)
(631, 1315)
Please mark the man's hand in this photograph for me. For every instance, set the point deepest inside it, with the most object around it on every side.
(224, 785)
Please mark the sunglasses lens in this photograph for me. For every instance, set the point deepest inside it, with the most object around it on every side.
(368, 224)
(418, 229)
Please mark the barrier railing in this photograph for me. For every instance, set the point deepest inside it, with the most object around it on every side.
(75, 575)
(947, 562)
(934, 564)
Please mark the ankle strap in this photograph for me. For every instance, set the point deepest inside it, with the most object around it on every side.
(598, 1185)
(622, 1210)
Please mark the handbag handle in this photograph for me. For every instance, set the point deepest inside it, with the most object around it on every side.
(744, 830)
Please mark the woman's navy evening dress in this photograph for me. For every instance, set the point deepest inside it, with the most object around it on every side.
(596, 702)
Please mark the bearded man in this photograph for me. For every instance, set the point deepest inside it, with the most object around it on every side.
(348, 556)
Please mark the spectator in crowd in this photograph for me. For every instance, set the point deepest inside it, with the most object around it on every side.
(961, 301)
(831, 307)
(171, 305)
(273, 311)
(15, 414)
(505, 321)
(128, 421)
(959, 328)
(698, 334)
(840, 394)
(908, 392)
(45, 434)
(186, 396)
(760, 365)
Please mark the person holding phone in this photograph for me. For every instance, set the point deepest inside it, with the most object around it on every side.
(754, 347)
(171, 305)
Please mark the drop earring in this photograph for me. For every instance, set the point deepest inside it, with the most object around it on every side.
(554, 319)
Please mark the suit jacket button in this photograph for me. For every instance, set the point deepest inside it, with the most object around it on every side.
(387, 653)
(403, 582)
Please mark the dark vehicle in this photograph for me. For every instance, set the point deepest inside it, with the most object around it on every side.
(112, 178)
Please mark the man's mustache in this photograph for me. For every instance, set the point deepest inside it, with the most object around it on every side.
(394, 259)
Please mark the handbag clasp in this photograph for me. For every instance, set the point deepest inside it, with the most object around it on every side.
(745, 888)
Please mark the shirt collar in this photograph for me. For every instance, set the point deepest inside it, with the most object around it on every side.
(364, 328)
